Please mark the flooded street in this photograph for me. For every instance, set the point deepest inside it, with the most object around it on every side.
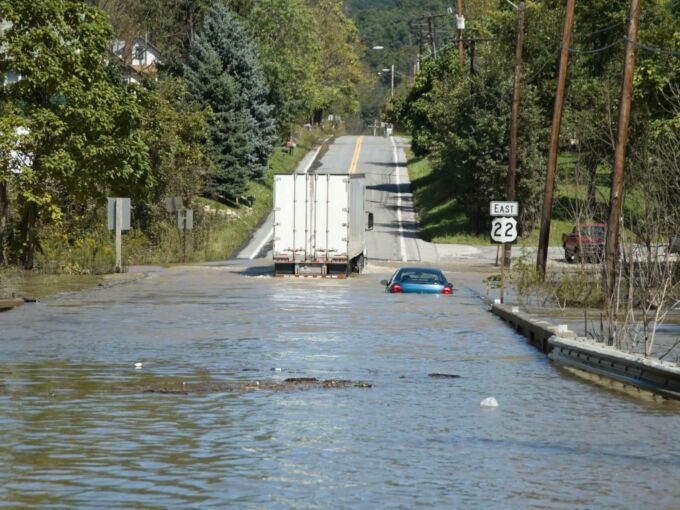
(208, 421)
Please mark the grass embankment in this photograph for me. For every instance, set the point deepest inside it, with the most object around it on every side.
(443, 219)
(219, 230)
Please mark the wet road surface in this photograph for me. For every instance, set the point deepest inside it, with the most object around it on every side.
(81, 427)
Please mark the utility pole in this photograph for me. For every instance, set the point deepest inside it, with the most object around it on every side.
(514, 116)
(544, 236)
(461, 23)
(430, 28)
(616, 194)
(392, 91)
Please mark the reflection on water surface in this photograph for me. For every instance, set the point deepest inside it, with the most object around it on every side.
(81, 427)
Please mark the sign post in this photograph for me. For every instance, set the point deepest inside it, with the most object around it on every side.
(503, 231)
(185, 221)
(118, 219)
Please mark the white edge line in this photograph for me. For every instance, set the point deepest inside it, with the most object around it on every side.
(271, 231)
(261, 245)
(402, 244)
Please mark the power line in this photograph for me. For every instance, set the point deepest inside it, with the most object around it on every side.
(618, 24)
(596, 50)
(661, 51)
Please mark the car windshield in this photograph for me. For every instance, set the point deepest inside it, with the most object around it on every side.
(420, 276)
(593, 231)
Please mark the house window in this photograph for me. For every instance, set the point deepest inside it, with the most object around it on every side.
(140, 54)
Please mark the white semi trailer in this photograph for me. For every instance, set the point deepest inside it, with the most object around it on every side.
(319, 224)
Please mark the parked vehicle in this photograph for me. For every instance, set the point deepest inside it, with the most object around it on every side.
(319, 224)
(585, 242)
(420, 280)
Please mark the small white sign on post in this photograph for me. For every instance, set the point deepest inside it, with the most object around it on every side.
(118, 219)
(114, 206)
(185, 219)
(504, 230)
(504, 209)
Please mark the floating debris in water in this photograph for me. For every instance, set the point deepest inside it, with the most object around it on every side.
(292, 384)
(489, 402)
(139, 365)
(277, 369)
(443, 376)
(301, 380)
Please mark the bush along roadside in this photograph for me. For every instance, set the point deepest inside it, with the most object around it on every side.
(219, 229)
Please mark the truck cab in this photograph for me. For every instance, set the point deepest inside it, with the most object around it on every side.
(585, 242)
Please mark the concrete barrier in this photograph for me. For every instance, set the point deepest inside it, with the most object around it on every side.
(652, 375)
(8, 304)
(585, 355)
(537, 331)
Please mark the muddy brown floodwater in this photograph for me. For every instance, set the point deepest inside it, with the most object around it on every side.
(257, 392)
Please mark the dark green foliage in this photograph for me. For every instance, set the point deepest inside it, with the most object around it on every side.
(396, 25)
(83, 125)
(461, 121)
(223, 73)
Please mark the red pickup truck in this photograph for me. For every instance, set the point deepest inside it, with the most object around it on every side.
(585, 242)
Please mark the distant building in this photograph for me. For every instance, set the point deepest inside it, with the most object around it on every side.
(139, 57)
(144, 56)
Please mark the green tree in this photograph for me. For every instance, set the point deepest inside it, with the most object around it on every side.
(340, 71)
(290, 49)
(81, 125)
(175, 129)
(224, 74)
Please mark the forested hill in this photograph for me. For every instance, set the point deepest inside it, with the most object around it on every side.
(393, 24)
(400, 27)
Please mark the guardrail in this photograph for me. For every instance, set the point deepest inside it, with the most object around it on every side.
(659, 377)
(537, 331)
(564, 347)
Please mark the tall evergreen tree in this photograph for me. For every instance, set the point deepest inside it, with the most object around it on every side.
(224, 73)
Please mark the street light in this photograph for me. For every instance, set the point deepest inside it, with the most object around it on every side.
(379, 48)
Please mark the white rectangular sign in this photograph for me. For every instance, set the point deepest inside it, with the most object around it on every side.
(111, 213)
(504, 209)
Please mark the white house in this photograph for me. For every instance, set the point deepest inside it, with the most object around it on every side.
(144, 55)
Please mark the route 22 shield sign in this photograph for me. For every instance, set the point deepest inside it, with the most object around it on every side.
(504, 230)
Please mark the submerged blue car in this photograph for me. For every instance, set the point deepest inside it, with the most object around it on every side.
(421, 280)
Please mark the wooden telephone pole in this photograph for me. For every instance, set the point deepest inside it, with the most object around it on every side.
(433, 42)
(514, 117)
(616, 194)
(461, 44)
(544, 236)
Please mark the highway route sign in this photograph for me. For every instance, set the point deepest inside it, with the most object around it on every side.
(504, 230)
(504, 208)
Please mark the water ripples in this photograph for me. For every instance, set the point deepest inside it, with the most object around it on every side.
(78, 427)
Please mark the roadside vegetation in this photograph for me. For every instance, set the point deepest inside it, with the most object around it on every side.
(458, 117)
(84, 116)
(443, 219)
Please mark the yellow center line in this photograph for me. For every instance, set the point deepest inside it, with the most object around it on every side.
(355, 157)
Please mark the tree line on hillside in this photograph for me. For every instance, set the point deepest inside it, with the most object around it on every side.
(234, 77)
(459, 115)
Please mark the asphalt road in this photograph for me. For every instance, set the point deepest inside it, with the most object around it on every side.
(383, 161)
(388, 197)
